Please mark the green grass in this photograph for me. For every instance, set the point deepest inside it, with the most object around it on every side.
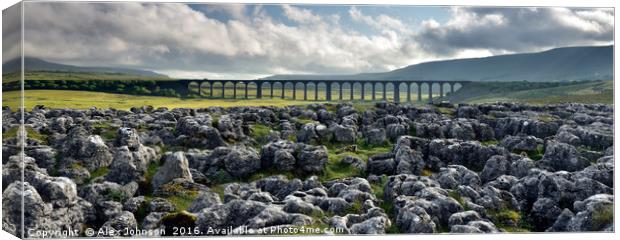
(183, 201)
(99, 172)
(335, 169)
(536, 92)
(446, 111)
(536, 154)
(602, 217)
(86, 100)
(379, 188)
(105, 130)
(145, 186)
(489, 143)
(306, 121)
(219, 189)
(115, 195)
(31, 133)
(182, 198)
(143, 211)
(457, 196)
(509, 220)
(260, 133)
(545, 118)
(426, 172)
(362, 107)
(355, 208)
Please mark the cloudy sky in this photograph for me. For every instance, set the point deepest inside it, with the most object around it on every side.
(250, 41)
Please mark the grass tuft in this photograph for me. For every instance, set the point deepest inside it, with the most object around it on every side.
(260, 133)
(30, 133)
(99, 172)
(489, 143)
(602, 217)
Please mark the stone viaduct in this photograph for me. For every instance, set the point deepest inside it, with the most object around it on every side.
(265, 88)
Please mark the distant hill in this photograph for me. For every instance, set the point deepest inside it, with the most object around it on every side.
(36, 64)
(536, 92)
(559, 64)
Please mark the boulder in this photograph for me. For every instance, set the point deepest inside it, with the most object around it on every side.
(462, 218)
(375, 136)
(544, 213)
(311, 159)
(242, 161)
(39, 213)
(415, 220)
(596, 213)
(344, 133)
(475, 227)
(496, 166)
(375, 225)
(521, 167)
(199, 132)
(395, 130)
(175, 166)
(128, 137)
(561, 156)
(229, 127)
(134, 204)
(128, 166)
(562, 221)
(88, 150)
(466, 111)
(521, 143)
(381, 164)
(284, 160)
(204, 200)
(120, 223)
(408, 161)
(454, 175)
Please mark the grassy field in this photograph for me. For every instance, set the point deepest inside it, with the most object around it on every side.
(85, 100)
(580, 92)
(585, 92)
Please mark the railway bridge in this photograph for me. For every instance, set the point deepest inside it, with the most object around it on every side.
(263, 88)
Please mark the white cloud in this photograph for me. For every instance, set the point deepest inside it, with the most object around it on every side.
(236, 11)
(181, 41)
(174, 36)
(301, 15)
(516, 29)
(381, 22)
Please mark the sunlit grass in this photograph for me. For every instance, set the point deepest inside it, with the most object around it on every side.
(583, 92)
(88, 99)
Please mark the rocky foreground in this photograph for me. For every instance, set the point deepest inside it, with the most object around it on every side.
(342, 168)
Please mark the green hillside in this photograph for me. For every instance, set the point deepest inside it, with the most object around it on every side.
(555, 65)
(539, 93)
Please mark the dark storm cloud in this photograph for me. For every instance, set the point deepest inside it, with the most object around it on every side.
(11, 33)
